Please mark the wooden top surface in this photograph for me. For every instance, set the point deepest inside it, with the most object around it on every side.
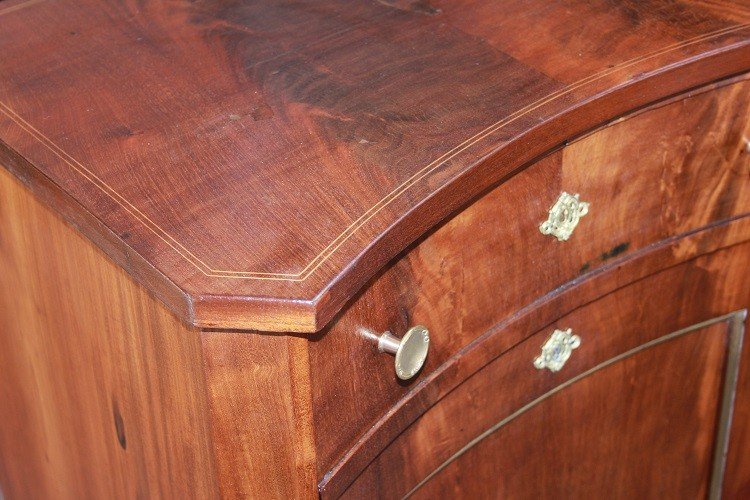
(254, 163)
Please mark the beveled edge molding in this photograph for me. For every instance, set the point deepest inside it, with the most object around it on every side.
(308, 309)
(17, 7)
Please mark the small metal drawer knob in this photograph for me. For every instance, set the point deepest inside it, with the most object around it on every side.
(410, 350)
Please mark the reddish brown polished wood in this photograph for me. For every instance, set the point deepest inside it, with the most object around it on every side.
(654, 408)
(106, 394)
(390, 162)
(653, 176)
(102, 389)
(254, 164)
(259, 399)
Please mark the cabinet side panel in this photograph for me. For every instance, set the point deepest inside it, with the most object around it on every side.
(101, 387)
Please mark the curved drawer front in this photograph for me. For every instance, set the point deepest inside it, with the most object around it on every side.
(648, 390)
(656, 175)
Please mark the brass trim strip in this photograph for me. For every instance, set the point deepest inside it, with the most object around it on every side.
(734, 352)
(736, 332)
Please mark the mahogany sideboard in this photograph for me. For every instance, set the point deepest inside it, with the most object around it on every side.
(374, 249)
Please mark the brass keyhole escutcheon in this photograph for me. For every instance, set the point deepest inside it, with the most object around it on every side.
(564, 216)
(557, 350)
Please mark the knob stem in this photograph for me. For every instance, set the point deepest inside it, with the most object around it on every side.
(387, 342)
(410, 351)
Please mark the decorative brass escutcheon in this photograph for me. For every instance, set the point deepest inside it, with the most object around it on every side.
(557, 350)
(564, 216)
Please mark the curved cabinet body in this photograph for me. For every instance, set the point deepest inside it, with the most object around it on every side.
(220, 217)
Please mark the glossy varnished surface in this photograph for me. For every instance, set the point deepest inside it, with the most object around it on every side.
(102, 388)
(255, 163)
(106, 394)
(259, 399)
(668, 177)
(637, 393)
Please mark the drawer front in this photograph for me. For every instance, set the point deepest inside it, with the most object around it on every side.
(647, 180)
(640, 407)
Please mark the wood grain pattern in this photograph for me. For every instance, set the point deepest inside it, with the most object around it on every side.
(737, 483)
(664, 172)
(647, 412)
(573, 447)
(259, 395)
(106, 394)
(268, 158)
(102, 389)
(256, 166)
(429, 389)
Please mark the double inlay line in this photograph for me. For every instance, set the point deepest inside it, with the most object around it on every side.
(363, 219)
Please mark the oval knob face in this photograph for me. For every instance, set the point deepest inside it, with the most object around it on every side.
(412, 352)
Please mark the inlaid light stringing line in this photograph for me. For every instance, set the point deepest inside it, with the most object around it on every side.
(493, 128)
(19, 6)
(331, 248)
